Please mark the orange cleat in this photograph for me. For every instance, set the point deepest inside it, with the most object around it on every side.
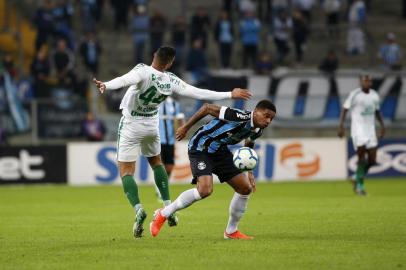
(156, 224)
(237, 235)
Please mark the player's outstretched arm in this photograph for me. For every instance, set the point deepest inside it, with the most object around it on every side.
(188, 90)
(206, 109)
(130, 78)
(341, 129)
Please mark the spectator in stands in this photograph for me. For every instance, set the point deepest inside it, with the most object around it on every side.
(282, 26)
(197, 62)
(63, 60)
(157, 30)
(140, 30)
(121, 8)
(90, 50)
(44, 22)
(62, 15)
(179, 28)
(247, 6)
(90, 11)
(224, 35)
(40, 71)
(305, 7)
(332, 10)
(278, 6)
(390, 53)
(300, 32)
(329, 64)
(264, 64)
(250, 28)
(93, 129)
(356, 23)
(200, 26)
(3, 136)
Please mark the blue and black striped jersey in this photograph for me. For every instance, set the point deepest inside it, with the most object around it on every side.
(231, 127)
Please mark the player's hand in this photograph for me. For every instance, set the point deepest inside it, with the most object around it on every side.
(181, 132)
(100, 85)
(381, 133)
(341, 132)
(252, 181)
(239, 93)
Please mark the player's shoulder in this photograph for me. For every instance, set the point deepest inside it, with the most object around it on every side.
(140, 66)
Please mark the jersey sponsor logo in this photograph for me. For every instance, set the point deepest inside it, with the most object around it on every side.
(391, 156)
(243, 116)
(304, 163)
(201, 165)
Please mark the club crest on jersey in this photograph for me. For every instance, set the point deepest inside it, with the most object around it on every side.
(201, 165)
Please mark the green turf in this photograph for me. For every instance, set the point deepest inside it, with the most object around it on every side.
(296, 226)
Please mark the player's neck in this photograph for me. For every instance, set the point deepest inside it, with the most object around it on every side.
(365, 90)
(158, 67)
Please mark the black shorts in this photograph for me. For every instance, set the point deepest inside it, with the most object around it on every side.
(220, 163)
(168, 153)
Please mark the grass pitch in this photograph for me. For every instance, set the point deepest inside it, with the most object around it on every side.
(296, 226)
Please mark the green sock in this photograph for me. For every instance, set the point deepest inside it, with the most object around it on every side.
(161, 181)
(360, 173)
(130, 189)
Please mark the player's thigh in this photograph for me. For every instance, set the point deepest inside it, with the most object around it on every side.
(240, 184)
(201, 165)
(223, 166)
(168, 154)
(151, 144)
(128, 144)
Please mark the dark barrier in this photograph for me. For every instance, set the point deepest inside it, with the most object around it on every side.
(31, 164)
(61, 118)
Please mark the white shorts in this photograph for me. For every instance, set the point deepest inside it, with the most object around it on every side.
(368, 141)
(137, 137)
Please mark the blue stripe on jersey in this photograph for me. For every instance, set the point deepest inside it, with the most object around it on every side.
(208, 128)
(212, 136)
(218, 132)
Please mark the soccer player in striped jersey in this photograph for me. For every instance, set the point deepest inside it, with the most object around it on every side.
(138, 131)
(208, 154)
(364, 105)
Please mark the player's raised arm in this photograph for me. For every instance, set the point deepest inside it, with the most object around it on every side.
(188, 90)
(206, 109)
(130, 78)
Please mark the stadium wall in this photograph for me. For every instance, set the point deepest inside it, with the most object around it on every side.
(294, 159)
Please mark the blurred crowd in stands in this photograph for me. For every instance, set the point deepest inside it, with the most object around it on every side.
(267, 33)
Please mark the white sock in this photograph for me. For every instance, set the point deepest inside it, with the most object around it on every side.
(237, 208)
(167, 202)
(184, 200)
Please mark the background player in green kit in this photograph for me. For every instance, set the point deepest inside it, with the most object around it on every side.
(364, 105)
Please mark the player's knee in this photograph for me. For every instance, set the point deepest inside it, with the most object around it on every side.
(205, 191)
(245, 190)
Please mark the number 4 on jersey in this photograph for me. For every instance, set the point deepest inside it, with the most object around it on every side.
(149, 96)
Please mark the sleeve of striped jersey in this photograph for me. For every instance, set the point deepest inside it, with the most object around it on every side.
(229, 114)
(133, 77)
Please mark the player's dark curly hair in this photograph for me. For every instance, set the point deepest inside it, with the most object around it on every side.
(266, 104)
(165, 54)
